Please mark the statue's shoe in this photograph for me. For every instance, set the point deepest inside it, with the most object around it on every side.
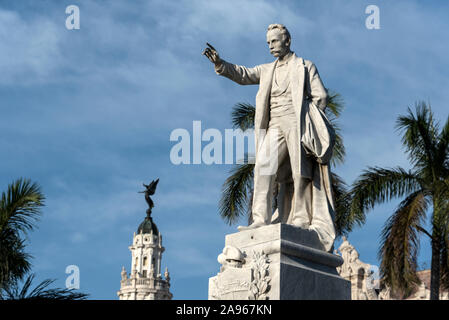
(251, 226)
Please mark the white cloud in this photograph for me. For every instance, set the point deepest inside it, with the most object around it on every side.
(29, 49)
(78, 237)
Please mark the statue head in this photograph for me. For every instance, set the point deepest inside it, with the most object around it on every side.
(278, 39)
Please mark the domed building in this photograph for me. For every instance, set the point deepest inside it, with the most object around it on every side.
(145, 282)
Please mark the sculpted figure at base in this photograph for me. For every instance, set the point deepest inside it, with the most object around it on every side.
(294, 140)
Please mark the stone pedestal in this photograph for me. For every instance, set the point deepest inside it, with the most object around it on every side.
(277, 262)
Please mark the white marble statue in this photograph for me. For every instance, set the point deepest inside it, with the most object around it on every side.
(294, 140)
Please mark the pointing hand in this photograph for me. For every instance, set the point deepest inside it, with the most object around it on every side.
(212, 54)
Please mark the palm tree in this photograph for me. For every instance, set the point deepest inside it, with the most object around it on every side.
(20, 209)
(236, 196)
(424, 188)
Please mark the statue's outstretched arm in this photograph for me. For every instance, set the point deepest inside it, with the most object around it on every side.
(240, 74)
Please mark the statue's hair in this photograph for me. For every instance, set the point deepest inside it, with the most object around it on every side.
(281, 28)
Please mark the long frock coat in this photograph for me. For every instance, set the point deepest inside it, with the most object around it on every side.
(307, 92)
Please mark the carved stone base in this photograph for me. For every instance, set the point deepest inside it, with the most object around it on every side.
(277, 262)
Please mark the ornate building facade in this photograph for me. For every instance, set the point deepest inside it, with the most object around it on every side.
(145, 282)
(365, 285)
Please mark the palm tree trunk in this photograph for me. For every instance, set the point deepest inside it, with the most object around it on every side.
(435, 270)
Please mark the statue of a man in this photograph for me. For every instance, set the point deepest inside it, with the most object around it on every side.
(288, 125)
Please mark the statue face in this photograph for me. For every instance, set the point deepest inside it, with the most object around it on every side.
(279, 46)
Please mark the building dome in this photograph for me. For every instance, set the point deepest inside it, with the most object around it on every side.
(148, 226)
(146, 281)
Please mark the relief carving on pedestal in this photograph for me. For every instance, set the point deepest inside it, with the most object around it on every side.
(241, 279)
(261, 281)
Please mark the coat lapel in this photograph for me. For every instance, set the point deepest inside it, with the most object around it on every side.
(297, 79)
(264, 96)
(262, 104)
(296, 71)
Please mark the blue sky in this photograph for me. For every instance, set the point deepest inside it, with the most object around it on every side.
(88, 114)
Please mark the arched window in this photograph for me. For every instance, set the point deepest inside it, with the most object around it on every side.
(145, 261)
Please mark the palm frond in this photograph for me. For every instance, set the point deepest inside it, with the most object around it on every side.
(343, 221)
(377, 185)
(19, 210)
(20, 205)
(400, 244)
(234, 200)
(339, 151)
(243, 115)
(14, 262)
(442, 155)
(40, 292)
(335, 106)
(419, 135)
